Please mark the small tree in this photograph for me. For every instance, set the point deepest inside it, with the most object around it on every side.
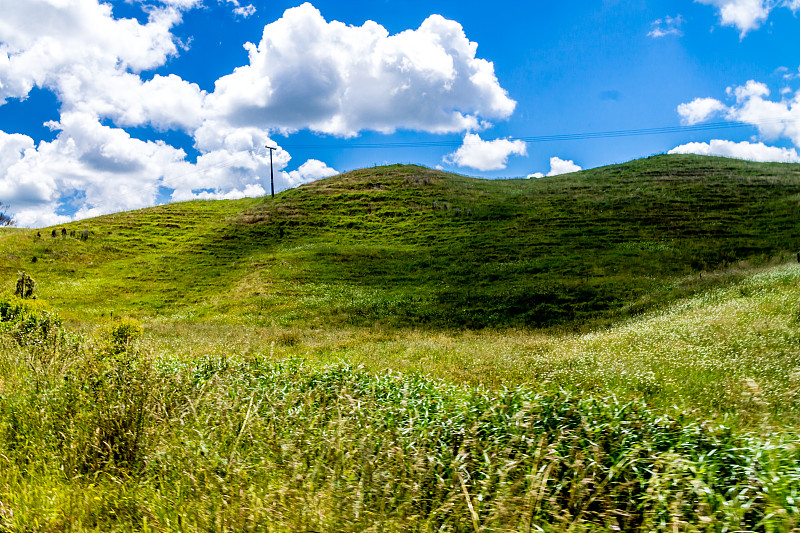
(5, 218)
(25, 286)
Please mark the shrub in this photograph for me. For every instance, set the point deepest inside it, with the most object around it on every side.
(117, 336)
(105, 411)
(28, 321)
(25, 286)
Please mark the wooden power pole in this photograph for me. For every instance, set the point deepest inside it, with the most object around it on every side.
(271, 178)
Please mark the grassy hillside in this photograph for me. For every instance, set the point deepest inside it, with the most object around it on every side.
(320, 362)
(410, 246)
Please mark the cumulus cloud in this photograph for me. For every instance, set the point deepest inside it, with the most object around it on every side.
(558, 166)
(666, 26)
(102, 169)
(741, 150)
(485, 155)
(92, 61)
(561, 166)
(306, 73)
(752, 105)
(700, 110)
(57, 45)
(77, 49)
(311, 170)
(107, 169)
(233, 159)
(748, 15)
(774, 119)
(337, 79)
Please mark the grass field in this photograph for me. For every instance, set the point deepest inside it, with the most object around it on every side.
(399, 349)
(408, 246)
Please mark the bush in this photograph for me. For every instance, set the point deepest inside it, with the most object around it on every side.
(25, 286)
(106, 409)
(28, 321)
(117, 336)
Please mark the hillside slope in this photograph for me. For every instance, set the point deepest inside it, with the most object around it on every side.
(406, 245)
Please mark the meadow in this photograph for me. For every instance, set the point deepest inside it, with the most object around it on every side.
(397, 349)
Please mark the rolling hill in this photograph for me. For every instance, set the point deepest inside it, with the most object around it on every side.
(411, 246)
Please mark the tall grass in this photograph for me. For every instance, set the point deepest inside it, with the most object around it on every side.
(120, 440)
(731, 353)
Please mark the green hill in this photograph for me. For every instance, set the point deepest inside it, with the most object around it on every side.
(348, 357)
(411, 246)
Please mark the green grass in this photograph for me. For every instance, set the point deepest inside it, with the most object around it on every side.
(409, 246)
(730, 354)
(401, 349)
(108, 440)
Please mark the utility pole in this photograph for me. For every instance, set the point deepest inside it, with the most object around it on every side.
(271, 178)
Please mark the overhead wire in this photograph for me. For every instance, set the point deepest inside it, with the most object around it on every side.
(543, 138)
(711, 126)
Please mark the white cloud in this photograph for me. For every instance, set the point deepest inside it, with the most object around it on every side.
(485, 155)
(558, 166)
(561, 166)
(741, 150)
(236, 161)
(339, 79)
(57, 44)
(311, 170)
(773, 118)
(245, 11)
(107, 169)
(748, 15)
(164, 102)
(787, 75)
(700, 110)
(12, 149)
(306, 73)
(749, 90)
(91, 60)
(666, 26)
(253, 190)
(239, 9)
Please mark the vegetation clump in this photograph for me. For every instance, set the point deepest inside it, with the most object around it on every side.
(117, 335)
(25, 286)
(28, 321)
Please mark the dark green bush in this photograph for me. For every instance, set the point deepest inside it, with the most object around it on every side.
(25, 286)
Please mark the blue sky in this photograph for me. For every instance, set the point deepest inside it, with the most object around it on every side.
(109, 106)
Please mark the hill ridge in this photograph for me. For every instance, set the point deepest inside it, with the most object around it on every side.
(409, 245)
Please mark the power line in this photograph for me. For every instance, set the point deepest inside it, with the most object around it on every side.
(543, 138)
(711, 126)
